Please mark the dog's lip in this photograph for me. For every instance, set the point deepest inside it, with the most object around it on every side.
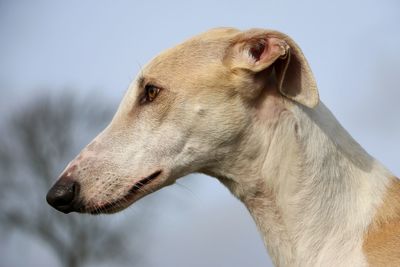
(147, 180)
(110, 207)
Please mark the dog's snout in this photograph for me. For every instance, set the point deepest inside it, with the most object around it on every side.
(64, 194)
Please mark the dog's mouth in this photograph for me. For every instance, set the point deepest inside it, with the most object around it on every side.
(142, 183)
(119, 204)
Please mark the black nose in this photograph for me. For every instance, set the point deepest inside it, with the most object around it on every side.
(64, 194)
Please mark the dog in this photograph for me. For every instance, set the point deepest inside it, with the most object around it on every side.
(243, 106)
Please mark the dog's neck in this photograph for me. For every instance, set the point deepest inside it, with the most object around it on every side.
(308, 187)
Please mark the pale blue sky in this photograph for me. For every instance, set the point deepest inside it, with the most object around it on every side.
(97, 47)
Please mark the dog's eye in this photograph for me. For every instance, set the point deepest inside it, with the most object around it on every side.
(151, 93)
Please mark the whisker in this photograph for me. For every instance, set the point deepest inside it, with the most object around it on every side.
(188, 189)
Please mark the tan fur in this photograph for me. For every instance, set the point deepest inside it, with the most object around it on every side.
(382, 240)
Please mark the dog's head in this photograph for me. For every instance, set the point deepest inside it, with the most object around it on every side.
(189, 110)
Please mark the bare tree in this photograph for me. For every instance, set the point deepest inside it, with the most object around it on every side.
(35, 144)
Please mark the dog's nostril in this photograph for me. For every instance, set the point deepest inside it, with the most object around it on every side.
(63, 194)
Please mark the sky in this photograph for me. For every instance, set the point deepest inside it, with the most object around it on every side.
(96, 48)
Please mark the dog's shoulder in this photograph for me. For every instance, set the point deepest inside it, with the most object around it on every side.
(382, 240)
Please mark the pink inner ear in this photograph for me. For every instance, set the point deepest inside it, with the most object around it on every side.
(257, 50)
(268, 50)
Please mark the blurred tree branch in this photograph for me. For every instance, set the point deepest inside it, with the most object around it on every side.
(37, 142)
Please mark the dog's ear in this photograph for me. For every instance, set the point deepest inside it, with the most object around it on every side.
(256, 50)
